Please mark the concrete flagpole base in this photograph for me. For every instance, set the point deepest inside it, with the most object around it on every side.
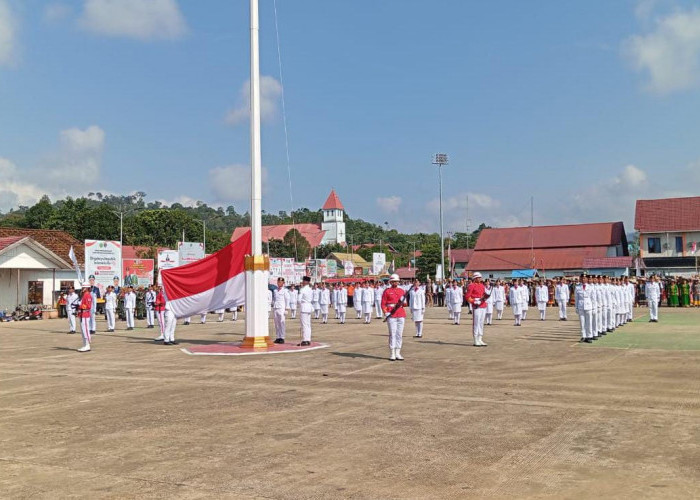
(257, 272)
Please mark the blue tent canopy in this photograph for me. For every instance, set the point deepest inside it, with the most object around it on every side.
(523, 273)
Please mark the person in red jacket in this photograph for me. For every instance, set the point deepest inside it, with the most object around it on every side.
(84, 313)
(393, 300)
(476, 296)
(159, 307)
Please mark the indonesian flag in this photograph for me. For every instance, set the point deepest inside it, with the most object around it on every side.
(214, 282)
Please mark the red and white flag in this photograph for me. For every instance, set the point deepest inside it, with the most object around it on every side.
(214, 282)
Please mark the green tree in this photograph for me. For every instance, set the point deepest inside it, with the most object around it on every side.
(429, 259)
(38, 216)
(300, 247)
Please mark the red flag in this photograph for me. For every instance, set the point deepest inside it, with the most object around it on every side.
(214, 282)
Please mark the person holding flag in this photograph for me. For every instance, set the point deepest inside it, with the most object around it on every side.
(84, 313)
(393, 300)
(476, 296)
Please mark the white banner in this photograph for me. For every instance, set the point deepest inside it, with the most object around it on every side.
(299, 272)
(167, 259)
(378, 262)
(190, 252)
(288, 271)
(438, 272)
(103, 260)
(349, 267)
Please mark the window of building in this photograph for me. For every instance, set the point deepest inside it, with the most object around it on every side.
(35, 293)
(679, 244)
(65, 285)
(654, 245)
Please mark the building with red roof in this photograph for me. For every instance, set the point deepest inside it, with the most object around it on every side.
(551, 250)
(35, 267)
(330, 231)
(669, 234)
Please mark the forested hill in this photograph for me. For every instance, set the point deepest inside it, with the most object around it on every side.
(154, 224)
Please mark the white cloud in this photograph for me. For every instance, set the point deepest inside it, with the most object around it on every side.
(270, 92)
(71, 170)
(55, 12)
(139, 19)
(390, 204)
(8, 34)
(670, 54)
(232, 182)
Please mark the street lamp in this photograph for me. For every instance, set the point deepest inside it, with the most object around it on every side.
(204, 230)
(441, 159)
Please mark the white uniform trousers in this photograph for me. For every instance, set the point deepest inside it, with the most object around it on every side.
(161, 322)
(653, 310)
(71, 322)
(478, 316)
(395, 332)
(235, 314)
(85, 330)
(586, 318)
(542, 308)
(305, 320)
(294, 312)
(280, 323)
(562, 309)
(110, 318)
(594, 320)
(170, 323)
(150, 317)
(599, 320)
(129, 317)
(378, 308)
(203, 317)
(93, 322)
(630, 310)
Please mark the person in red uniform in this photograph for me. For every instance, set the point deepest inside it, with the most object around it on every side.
(393, 300)
(84, 313)
(159, 307)
(476, 296)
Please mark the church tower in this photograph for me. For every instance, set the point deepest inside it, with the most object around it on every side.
(333, 220)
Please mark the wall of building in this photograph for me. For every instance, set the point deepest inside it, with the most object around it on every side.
(11, 295)
(667, 243)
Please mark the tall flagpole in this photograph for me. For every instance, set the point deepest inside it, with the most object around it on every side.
(257, 265)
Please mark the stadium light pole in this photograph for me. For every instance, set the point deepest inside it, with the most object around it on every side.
(441, 159)
(257, 265)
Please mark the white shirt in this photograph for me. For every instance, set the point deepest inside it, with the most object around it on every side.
(281, 300)
(583, 297)
(305, 299)
(652, 290)
(324, 296)
(71, 301)
(111, 301)
(542, 293)
(417, 297)
(561, 292)
(130, 300)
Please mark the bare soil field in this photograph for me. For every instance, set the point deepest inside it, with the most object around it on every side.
(533, 415)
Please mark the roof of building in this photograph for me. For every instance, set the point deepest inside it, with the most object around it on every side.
(574, 235)
(139, 252)
(9, 240)
(58, 242)
(333, 202)
(544, 258)
(667, 214)
(405, 273)
(312, 232)
(356, 259)
(388, 246)
(608, 262)
(461, 254)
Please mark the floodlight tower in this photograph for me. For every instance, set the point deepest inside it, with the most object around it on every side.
(441, 159)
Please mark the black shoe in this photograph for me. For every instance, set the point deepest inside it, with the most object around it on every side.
(588, 341)
(70, 333)
(167, 343)
(174, 343)
(603, 333)
(92, 332)
(305, 342)
(278, 341)
(186, 323)
(582, 340)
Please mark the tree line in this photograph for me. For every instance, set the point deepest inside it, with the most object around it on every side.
(154, 224)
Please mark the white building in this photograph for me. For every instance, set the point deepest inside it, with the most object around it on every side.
(333, 224)
(34, 266)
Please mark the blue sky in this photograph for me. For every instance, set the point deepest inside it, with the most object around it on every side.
(583, 105)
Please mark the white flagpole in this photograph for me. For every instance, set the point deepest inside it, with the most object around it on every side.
(257, 265)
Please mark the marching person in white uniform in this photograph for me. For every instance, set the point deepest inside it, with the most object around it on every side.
(561, 295)
(342, 304)
(417, 305)
(293, 301)
(357, 301)
(584, 308)
(488, 317)
(652, 291)
(514, 297)
(72, 305)
(306, 296)
(524, 290)
(129, 307)
(280, 305)
(542, 297)
(448, 302)
(456, 298)
(150, 306)
(378, 291)
(110, 307)
(367, 302)
(324, 301)
(315, 298)
(499, 299)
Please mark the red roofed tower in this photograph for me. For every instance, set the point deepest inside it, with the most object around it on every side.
(333, 224)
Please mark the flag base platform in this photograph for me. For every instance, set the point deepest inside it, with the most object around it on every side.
(238, 349)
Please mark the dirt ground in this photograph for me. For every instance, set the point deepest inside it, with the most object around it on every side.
(534, 415)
